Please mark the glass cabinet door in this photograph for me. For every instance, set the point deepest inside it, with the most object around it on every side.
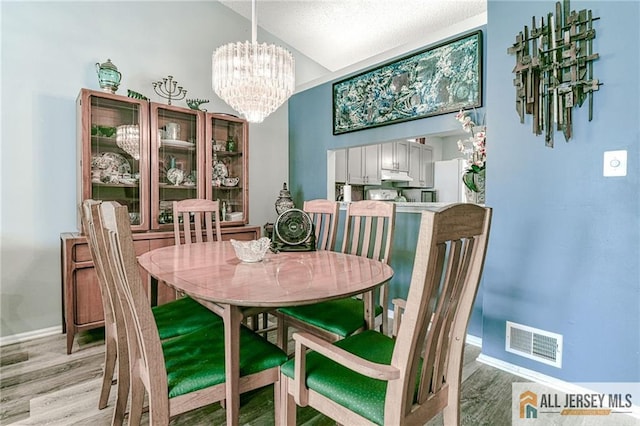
(113, 145)
(177, 154)
(227, 169)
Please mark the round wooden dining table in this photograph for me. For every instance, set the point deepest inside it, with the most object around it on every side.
(212, 274)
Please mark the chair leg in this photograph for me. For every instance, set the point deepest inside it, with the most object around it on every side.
(110, 357)
(122, 394)
(276, 401)
(282, 334)
(385, 323)
(137, 401)
(451, 414)
(286, 412)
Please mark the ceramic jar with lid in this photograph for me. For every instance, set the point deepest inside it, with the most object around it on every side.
(108, 76)
(284, 201)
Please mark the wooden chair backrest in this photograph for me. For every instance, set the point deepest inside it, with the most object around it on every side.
(324, 215)
(448, 266)
(206, 215)
(145, 350)
(90, 232)
(368, 229)
(115, 328)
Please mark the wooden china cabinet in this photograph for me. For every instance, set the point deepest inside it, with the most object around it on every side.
(145, 155)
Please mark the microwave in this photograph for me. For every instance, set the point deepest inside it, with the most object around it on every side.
(429, 197)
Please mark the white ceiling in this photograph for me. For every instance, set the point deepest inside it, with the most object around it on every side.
(340, 33)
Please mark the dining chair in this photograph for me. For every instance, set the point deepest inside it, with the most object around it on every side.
(206, 215)
(193, 221)
(368, 231)
(115, 342)
(370, 378)
(171, 319)
(188, 371)
(324, 215)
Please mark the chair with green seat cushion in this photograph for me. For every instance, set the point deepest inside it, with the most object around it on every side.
(368, 231)
(196, 361)
(174, 318)
(359, 393)
(324, 215)
(197, 220)
(179, 374)
(340, 317)
(372, 379)
(182, 316)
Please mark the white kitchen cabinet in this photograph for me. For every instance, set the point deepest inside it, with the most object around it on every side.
(363, 165)
(420, 166)
(341, 165)
(395, 156)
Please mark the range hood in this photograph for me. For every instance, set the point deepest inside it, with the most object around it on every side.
(395, 176)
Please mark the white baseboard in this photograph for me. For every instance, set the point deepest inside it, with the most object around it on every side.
(534, 376)
(30, 335)
(474, 340)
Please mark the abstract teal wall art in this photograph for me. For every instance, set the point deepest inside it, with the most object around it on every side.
(438, 80)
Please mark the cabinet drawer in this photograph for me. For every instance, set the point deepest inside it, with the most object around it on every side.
(81, 252)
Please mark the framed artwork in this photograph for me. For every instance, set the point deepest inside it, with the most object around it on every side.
(438, 80)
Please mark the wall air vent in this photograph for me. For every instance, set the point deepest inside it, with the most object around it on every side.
(539, 345)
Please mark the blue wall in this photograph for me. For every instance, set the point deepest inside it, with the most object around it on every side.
(565, 245)
(311, 135)
(564, 252)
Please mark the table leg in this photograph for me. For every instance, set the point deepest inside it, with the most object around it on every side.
(232, 317)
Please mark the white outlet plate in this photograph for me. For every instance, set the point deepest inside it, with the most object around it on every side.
(615, 163)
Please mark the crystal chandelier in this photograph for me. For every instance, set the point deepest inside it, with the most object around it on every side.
(254, 79)
(128, 139)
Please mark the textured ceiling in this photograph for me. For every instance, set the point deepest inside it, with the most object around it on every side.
(340, 33)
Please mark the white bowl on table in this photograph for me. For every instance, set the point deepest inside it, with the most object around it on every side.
(251, 251)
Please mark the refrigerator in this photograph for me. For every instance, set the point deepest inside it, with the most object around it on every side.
(447, 180)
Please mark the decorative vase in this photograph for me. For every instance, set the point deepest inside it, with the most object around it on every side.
(231, 144)
(108, 76)
(284, 201)
(478, 180)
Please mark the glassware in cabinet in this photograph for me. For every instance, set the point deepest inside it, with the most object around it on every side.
(177, 154)
(113, 143)
(227, 166)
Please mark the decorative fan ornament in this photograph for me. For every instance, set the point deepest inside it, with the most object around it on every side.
(293, 227)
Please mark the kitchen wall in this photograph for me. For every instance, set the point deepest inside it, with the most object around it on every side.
(48, 54)
(564, 253)
(310, 136)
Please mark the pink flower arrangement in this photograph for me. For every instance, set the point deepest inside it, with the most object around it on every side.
(472, 147)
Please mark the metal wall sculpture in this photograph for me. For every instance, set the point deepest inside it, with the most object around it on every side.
(438, 80)
(554, 69)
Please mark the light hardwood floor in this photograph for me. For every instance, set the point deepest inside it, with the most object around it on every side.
(40, 384)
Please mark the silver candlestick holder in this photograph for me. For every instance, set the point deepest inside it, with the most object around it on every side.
(169, 89)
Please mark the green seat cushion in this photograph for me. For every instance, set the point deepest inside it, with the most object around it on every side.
(196, 360)
(360, 394)
(342, 317)
(182, 316)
